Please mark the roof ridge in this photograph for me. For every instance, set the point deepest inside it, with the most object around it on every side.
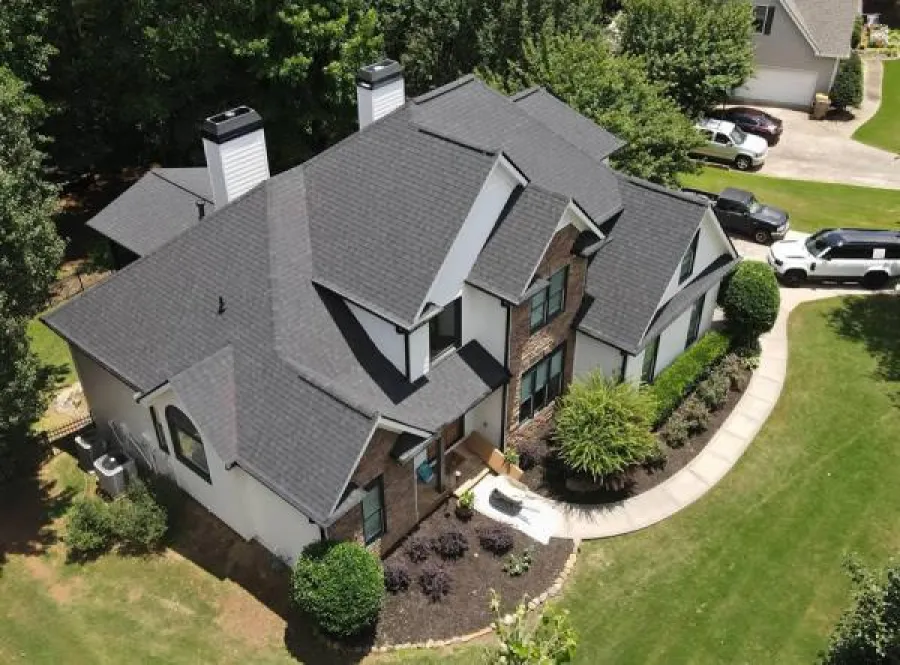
(453, 141)
(527, 92)
(662, 189)
(156, 171)
(447, 87)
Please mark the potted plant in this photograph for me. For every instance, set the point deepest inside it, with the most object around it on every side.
(465, 505)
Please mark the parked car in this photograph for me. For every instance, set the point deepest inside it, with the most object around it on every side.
(866, 256)
(752, 121)
(727, 143)
(740, 212)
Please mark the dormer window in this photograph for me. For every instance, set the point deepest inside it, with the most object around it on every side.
(445, 330)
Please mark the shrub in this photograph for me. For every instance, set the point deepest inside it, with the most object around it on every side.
(138, 522)
(434, 582)
(511, 456)
(856, 35)
(734, 368)
(751, 301)
(496, 539)
(451, 545)
(688, 369)
(551, 641)
(89, 530)
(847, 89)
(396, 577)
(418, 548)
(530, 455)
(340, 586)
(714, 389)
(518, 564)
(676, 431)
(603, 427)
(696, 413)
(465, 505)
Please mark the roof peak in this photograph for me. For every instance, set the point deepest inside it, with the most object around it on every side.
(661, 189)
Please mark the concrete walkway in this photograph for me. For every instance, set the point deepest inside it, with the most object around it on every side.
(716, 459)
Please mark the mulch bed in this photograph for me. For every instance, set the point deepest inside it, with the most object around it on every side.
(409, 616)
(548, 477)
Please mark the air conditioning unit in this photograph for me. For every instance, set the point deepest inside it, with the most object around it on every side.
(114, 472)
(89, 447)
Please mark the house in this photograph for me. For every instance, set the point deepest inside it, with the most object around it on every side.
(307, 354)
(798, 45)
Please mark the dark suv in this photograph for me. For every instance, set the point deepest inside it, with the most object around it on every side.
(752, 121)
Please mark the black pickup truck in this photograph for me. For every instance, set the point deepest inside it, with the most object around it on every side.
(740, 212)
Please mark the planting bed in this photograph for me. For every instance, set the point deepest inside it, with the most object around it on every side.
(409, 616)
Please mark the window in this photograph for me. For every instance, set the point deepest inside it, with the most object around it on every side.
(851, 252)
(650, 353)
(541, 384)
(762, 18)
(160, 435)
(687, 263)
(722, 139)
(445, 329)
(373, 512)
(694, 327)
(187, 442)
(550, 301)
(892, 252)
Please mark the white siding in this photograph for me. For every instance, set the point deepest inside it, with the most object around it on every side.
(592, 354)
(711, 245)
(474, 233)
(419, 352)
(671, 341)
(373, 104)
(383, 334)
(236, 166)
(484, 319)
(487, 418)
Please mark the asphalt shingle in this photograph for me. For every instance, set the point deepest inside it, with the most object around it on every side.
(829, 24)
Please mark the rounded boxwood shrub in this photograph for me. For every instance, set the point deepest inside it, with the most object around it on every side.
(340, 585)
(88, 530)
(603, 427)
(750, 301)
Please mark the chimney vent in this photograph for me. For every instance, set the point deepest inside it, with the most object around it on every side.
(379, 90)
(235, 148)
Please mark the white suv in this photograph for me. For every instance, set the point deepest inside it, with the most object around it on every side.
(869, 257)
(725, 142)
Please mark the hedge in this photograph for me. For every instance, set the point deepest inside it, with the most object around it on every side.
(847, 89)
(689, 369)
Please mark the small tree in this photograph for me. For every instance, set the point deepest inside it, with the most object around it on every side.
(604, 427)
(750, 300)
(552, 642)
(340, 586)
(847, 89)
(869, 631)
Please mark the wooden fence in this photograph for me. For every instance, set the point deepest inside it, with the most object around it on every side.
(70, 428)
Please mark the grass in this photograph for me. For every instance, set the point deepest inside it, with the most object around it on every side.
(883, 129)
(812, 205)
(753, 572)
(52, 351)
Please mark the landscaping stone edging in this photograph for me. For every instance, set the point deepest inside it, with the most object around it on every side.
(552, 591)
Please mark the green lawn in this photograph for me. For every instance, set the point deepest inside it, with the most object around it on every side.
(753, 572)
(812, 205)
(883, 129)
(52, 351)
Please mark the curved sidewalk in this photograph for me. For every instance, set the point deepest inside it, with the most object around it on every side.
(719, 455)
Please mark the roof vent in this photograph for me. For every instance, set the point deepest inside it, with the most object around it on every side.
(379, 90)
(235, 148)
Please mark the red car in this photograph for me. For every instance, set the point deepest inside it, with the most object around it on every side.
(752, 121)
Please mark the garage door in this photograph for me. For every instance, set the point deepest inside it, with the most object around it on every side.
(795, 87)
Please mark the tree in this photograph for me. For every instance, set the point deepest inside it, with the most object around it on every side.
(868, 633)
(614, 92)
(750, 299)
(847, 89)
(22, 46)
(551, 642)
(698, 50)
(603, 427)
(29, 253)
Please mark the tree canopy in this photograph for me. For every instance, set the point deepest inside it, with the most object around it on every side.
(698, 50)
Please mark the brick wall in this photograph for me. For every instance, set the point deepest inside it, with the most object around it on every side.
(526, 348)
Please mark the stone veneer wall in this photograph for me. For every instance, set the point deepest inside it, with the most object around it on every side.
(526, 348)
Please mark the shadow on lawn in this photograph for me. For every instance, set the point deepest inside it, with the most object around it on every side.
(874, 321)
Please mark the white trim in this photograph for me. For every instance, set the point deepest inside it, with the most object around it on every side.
(400, 428)
(362, 452)
(834, 71)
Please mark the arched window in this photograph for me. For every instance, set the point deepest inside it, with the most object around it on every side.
(187, 442)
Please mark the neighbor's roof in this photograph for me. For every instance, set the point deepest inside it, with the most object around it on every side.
(158, 207)
(628, 276)
(827, 24)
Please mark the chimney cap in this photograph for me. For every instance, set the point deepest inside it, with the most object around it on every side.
(231, 124)
(379, 73)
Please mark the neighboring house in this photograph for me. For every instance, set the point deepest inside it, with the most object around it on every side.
(798, 45)
(304, 353)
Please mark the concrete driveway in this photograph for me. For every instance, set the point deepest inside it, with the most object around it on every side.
(823, 150)
(756, 252)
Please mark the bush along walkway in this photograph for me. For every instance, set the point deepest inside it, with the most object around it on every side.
(585, 522)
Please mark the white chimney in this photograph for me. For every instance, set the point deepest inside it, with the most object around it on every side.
(235, 148)
(379, 90)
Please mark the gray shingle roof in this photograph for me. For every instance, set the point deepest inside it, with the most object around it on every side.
(827, 23)
(518, 242)
(628, 276)
(568, 123)
(158, 207)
